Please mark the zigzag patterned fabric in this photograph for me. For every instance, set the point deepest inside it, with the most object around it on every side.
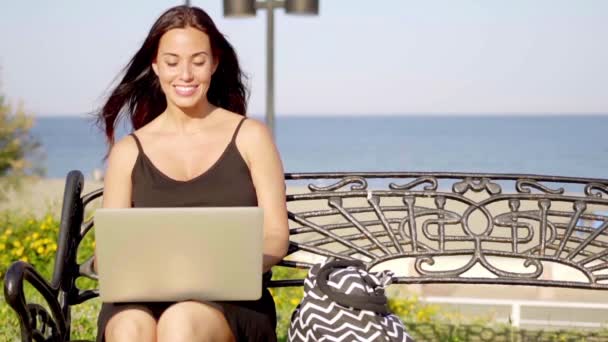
(344, 302)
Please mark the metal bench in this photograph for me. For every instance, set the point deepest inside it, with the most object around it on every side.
(467, 228)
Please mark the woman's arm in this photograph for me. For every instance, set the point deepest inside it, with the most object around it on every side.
(268, 178)
(117, 179)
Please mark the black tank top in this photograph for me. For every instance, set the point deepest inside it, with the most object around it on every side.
(227, 183)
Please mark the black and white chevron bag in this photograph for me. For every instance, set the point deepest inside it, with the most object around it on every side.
(344, 302)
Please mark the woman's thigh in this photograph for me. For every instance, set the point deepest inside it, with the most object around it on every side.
(193, 321)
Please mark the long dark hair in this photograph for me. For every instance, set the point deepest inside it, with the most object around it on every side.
(139, 95)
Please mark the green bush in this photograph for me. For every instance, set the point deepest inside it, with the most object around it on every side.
(286, 298)
(29, 239)
(20, 153)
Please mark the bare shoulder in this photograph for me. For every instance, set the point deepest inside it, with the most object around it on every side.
(124, 151)
(251, 131)
(254, 132)
(254, 140)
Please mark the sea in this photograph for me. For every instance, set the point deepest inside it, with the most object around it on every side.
(568, 145)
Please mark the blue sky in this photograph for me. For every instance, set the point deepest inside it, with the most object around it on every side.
(356, 57)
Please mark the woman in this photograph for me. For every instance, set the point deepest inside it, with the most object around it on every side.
(192, 146)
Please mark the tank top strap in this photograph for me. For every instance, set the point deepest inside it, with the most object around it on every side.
(236, 131)
(138, 143)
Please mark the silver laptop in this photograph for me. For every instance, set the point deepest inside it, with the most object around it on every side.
(173, 254)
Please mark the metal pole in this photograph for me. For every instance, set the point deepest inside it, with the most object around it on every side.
(248, 8)
(270, 66)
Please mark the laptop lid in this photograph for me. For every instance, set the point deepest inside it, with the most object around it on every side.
(174, 254)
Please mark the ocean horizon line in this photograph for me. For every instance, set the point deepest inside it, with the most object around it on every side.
(566, 145)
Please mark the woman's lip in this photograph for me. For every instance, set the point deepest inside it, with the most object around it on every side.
(185, 90)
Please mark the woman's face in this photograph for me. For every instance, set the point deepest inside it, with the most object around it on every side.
(184, 66)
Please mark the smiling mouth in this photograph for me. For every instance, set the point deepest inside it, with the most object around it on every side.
(185, 90)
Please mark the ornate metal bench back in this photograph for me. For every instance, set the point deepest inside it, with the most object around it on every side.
(445, 227)
(455, 227)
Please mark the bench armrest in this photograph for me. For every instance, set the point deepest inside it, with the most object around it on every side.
(37, 324)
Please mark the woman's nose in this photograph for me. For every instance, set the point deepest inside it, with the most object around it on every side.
(186, 72)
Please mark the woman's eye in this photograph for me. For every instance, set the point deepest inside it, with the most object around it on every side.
(171, 64)
(199, 63)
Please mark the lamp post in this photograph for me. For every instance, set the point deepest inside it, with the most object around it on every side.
(247, 8)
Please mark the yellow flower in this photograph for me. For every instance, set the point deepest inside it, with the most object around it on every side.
(8, 232)
(2, 246)
(43, 226)
(17, 243)
(35, 236)
(24, 259)
(18, 252)
(53, 247)
(40, 250)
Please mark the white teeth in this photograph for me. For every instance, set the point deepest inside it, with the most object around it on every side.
(185, 88)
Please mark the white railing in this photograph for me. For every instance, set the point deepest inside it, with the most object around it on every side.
(516, 307)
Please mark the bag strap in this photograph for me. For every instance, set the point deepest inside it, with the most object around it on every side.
(376, 303)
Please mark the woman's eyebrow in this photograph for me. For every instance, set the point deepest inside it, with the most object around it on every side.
(193, 55)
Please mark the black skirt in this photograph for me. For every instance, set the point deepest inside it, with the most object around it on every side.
(249, 321)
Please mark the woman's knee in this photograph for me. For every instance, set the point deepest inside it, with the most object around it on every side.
(193, 321)
(131, 325)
